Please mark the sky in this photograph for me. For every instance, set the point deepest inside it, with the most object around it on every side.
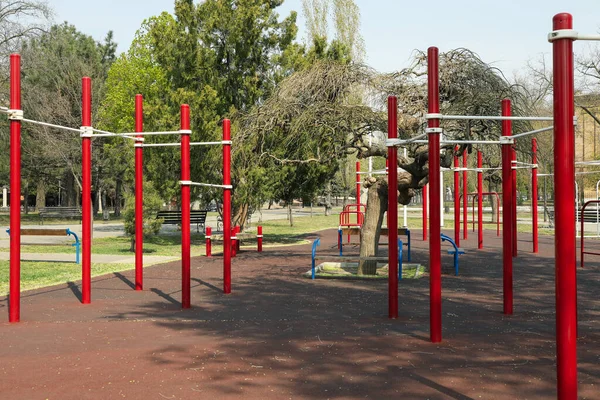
(506, 34)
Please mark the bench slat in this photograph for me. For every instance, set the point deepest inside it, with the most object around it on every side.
(43, 232)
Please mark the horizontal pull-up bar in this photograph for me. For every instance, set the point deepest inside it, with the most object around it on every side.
(486, 117)
(190, 183)
(570, 34)
(533, 132)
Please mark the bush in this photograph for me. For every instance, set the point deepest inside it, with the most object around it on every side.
(152, 204)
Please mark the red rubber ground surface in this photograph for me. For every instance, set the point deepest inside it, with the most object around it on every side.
(279, 335)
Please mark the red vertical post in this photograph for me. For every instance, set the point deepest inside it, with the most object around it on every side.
(226, 206)
(435, 246)
(392, 213)
(238, 242)
(456, 200)
(534, 194)
(479, 200)
(139, 194)
(86, 192)
(259, 239)
(358, 183)
(185, 208)
(564, 232)
(465, 196)
(208, 238)
(507, 210)
(425, 193)
(514, 201)
(14, 314)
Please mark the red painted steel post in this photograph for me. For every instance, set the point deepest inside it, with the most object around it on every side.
(435, 246)
(565, 231)
(479, 200)
(358, 183)
(425, 193)
(233, 242)
(259, 238)
(514, 201)
(456, 200)
(534, 195)
(238, 242)
(186, 276)
(86, 193)
(14, 314)
(227, 206)
(139, 194)
(392, 213)
(208, 238)
(507, 210)
(465, 200)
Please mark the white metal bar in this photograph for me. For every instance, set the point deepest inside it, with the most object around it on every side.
(533, 132)
(153, 133)
(486, 117)
(160, 145)
(211, 185)
(451, 141)
(66, 128)
(206, 143)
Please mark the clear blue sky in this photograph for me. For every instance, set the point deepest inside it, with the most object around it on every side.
(506, 33)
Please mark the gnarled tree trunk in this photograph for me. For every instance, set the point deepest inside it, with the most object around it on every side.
(369, 240)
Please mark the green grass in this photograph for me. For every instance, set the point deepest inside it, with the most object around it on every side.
(40, 274)
(348, 270)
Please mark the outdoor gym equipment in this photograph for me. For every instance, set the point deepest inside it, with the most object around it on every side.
(454, 251)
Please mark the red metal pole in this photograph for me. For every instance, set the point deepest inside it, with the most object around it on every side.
(185, 207)
(392, 213)
(86, 193)
(435, 246)
(465, 201)
(139, 194)
(259, 238)
(456, 200)
(358, 183)
(14, 314)
(507, 210)
(514, 201)
(227, 206)
(208, 237)
(479, 200)
(565, 231)
(425, 193)
(534, 195)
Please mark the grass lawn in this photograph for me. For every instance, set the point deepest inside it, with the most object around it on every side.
(40, 274)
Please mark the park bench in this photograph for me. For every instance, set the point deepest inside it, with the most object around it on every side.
(58, 212)
(454, 251)
(197, 217)
(51, 232)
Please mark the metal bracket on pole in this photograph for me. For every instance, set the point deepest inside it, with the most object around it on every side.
(15, 115)
(563, 34)
(434, 130)
(226, 142)
(185, 183)
(433, 116)
(185, 131)
(86, 132)
(507, 140)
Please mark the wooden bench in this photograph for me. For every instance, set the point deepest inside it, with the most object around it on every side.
(197, 217)
(59, 212)
(51, 232)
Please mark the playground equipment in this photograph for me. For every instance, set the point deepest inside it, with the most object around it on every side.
(582, 236)
(87, 132)
(454, 251)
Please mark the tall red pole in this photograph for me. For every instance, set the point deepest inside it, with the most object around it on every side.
(14, 314)
(534, 194)
(465, 195)
(392, 213)
(564, 232)
(425, 193)
(139, 194)
(86, 192)
(507, 210)
(435, 245)
(456, 200)
(514, 201)
(358, 183)
(185, 207)
(479, 200)
(227, 206)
